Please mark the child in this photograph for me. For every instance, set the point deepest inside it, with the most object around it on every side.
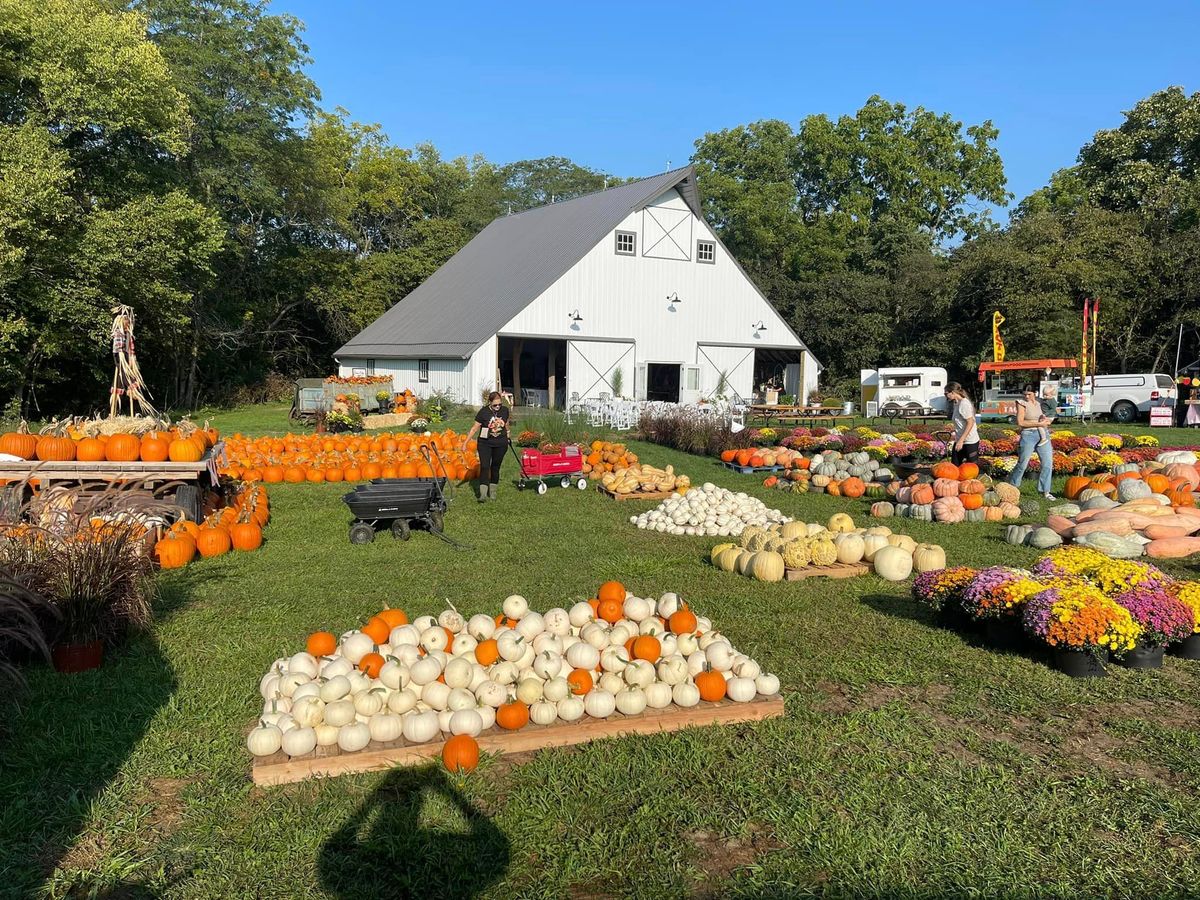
(1049, 404)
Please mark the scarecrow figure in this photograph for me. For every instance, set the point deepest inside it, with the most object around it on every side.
(127, 377)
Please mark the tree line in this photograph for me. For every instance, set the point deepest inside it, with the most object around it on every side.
(174, 155)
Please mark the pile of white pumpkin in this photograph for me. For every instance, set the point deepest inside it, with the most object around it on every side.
(765, 554)
(708, 510)
(309, 702)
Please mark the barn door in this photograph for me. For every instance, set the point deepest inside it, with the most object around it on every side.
(639, 381)
(689, 384)
(591, 364)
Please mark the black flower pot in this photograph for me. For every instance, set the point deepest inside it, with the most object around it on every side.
(954, 618)
(1188, 648)
(1004, 634)
(1141, 657)
(1080, 663)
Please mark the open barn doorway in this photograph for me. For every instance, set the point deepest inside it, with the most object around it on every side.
(778, 371)
(534, 371)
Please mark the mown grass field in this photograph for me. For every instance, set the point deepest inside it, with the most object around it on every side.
(912, 761)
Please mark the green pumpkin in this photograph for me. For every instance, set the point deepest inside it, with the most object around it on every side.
(975, 515)
(902, 510)
(875, 489)
(921, 511)
(1043, 538)
(1017, 534)
(1066, 510)
(991, 498)
(1030, 508)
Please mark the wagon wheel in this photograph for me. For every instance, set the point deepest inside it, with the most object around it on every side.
(566, 481)
(361, 533)
(581, 484)
(541, 488)
(436, 521)
(400, 530)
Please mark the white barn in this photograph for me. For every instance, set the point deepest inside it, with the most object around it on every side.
(624, 291)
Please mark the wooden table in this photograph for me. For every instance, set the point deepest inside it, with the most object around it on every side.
(767, 413)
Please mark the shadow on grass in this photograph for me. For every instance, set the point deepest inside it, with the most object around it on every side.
(383, 850)
(67, 742)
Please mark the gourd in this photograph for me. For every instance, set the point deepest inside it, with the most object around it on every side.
(1009, 510)
(740, 690)
(1133, 489)
(1029, 508)
(1066, 510)
(1170, 457)
(948, 509)
(1098, 501)
(1007, 492)
(850, 548)
(928, 557)
(354, 737)
(795, 554)
(1173, 547)
(685, 694)
(893, 563)
(767, 565)
(1111, 545)
(599, 704)
(1016, 534)
(822, 551)
(882, 509)
(840, 522)
(385, 727)
(1043, 538)
(872, 544)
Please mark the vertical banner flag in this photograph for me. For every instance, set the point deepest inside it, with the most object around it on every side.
(997, 341)
(1095, 333)
(1083, 361)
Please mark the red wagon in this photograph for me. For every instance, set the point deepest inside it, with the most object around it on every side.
(537, 467)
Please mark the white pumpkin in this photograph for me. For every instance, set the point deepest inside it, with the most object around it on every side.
(305, 664)
(611, 682)
(359, 682)
(658, 695)
(327, 735)
(458, 673)
(401, 702)
(492, 694)
(420, 727)
(850, 548)
(404, 636)
(332, 666)
(672, 670)
(685, 694)
(637, 609)
(356, 645)
(614, 659)
(620, 633)
(595, 634)
(335, 688)
(903, 541)
(570, 709)
(354, 737)
(872, 544)
(466, 721)
(767, 684)
(505, 672)
(425, 670)
(487, 715)
(339, 713)
(460, 698)
(268, 685)
(740, 690)
(285, 722)
(290, 681)
(651, 626)
(543, 712)
(511, 645)
(531, 625)
(556, 689)
(893, 563)
(581, 614)
(393, 675)
(719, 655)
(639, 673)
(547, 664)
(464, 645)
(668, 604)
(309, 712)
(631, 701)
(444, 716)
(546, 642)
(930, 557)
(583, 656)
(406, 654)
(529, 690)
(264, 740)
(308, 689)
(515, 606)
(557, 621)
(385, 727)
(452, 620)
(697, 663)
(686, 644)
(481, 627)
(436, 695)
(435, 638)
(599, 704)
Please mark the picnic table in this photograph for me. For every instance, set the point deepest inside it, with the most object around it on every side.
(782, 413)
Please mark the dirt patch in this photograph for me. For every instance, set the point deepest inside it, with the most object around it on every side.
(719, 857)
(167, 803)
(1080, 738)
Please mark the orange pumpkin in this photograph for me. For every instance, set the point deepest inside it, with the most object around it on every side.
(922, 494)
(154, 448)
(646, 647)
(612, 590)
(971, 501)
(246, 536)
(213, 541)
(393, 617)
(513, 715)
(377, 629)
(853, 487)
(946, 469)
(19, 443)
(175, 550)
(90, 450)
(460, 753)
(487, 652)
(371, 665)
(1076, 485)
(321, 643)
(711, 685)
(682, 621)
(581, 681)
(967, 471)
(53, 448)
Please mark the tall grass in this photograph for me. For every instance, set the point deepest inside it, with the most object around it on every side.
(685, 429)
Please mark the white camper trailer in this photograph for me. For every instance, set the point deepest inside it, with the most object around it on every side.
(905, 391)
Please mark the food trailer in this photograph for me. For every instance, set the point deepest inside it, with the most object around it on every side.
(1002, 385)
(904, 392)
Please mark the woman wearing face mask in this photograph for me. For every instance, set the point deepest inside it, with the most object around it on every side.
(491, 424)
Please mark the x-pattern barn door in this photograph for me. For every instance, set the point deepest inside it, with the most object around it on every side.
(667, 233)
(592, 363)
(730, 370)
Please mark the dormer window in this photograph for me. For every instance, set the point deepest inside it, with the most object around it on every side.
(706, 252)
(626, 243)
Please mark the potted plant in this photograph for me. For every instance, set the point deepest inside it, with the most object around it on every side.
(1082, 627)
(994, 599)
(1162, 618)
(384, 399)
(1189, 593)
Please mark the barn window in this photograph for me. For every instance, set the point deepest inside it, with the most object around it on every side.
(706, 252)
(626, 243)
(423, 371)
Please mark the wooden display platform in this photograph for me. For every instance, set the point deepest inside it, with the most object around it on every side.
(330, 761)
(837, 570)
(47, 472)
(657, 495)
(752, 470)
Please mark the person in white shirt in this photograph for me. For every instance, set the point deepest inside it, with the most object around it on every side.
(965, 447)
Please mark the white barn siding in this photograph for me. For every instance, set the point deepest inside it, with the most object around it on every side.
(482, 371)
(625, 297)
(444, 374)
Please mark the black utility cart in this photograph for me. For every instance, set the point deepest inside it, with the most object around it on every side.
(398, 504)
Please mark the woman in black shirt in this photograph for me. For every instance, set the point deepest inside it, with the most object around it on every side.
(491, 424)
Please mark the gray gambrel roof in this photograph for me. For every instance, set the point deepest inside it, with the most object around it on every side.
(504, 268)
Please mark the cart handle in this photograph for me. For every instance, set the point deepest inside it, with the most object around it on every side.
(446, 477)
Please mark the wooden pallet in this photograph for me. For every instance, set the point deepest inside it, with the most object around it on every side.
(330, 761)
(752, 470)
(837, 570)
(50, 471)
(657, 495)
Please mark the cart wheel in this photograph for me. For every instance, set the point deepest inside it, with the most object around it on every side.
(520, 485)
(541, 488)
(566, 481)
(400, 530)
(581, 484)
(361, 533)
(436, 521)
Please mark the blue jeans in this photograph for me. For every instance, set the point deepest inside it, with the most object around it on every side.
(1029, 443)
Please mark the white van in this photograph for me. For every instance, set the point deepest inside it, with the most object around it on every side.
(1126, 398)
(908, 390)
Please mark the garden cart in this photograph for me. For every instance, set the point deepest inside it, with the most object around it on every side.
(398, 504)
(538, 467)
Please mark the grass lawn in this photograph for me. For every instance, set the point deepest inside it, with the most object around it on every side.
(911, 761)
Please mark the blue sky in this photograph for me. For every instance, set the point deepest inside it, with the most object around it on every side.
(627, 87)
